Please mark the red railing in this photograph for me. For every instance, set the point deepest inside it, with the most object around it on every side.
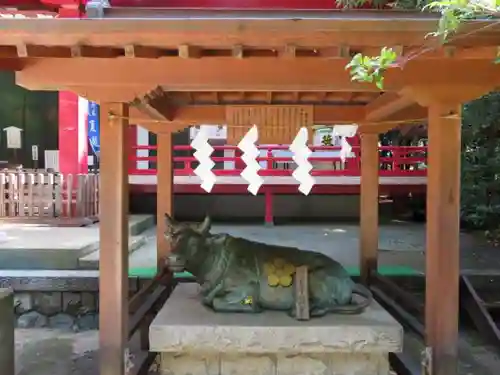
(394, 161)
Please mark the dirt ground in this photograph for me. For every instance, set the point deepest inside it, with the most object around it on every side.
(52, 352)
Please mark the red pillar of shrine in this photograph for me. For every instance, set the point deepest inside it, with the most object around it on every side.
(73, 152)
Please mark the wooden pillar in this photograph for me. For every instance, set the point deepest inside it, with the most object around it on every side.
(113, 267)
(443, 231)
(164, 193)
(369, 205)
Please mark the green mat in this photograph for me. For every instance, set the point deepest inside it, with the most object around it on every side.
(353, 271)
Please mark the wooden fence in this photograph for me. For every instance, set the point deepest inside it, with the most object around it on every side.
(49, 195)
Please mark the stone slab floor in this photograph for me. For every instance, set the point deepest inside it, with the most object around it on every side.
(51, 352)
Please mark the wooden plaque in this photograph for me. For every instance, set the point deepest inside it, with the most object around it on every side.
(301, 293)
(277, 124)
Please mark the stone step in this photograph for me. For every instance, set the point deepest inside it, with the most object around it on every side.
(91, 261)
(35, 246)
(55, 281)
(140, 223)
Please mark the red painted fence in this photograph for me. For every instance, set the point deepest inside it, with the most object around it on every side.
(395, 161)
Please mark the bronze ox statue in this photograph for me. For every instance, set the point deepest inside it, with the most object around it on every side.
(239, 275)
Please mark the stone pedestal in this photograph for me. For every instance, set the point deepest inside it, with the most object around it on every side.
(194, 340)
(7, 344)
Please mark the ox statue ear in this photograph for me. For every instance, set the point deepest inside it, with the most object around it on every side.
(169, 221)
(204, 227)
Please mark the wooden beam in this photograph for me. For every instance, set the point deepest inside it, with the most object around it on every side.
(189, 52)
(22, 50)
(165, 193)
(337, 28)
(113, 279)
(162, 127)
(289, 51)
(95, 52)
(443, 238)
(13, 65)
(369, 205)
(344, 51)
(323, 114)
(238, 51)
(260, 74)
(144, 107)
(455, 91)
(163, 104)
(109, 94)
(135, 51)
(376, 128)
(386, 105)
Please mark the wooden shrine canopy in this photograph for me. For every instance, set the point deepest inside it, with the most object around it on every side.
(186, 65)
(166, 69)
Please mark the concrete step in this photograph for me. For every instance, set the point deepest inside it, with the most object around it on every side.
(91, 261)
(35, 246)
(140, 223)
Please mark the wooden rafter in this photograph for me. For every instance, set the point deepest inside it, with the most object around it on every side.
(147, 109)
(161, 102)
(23, 50)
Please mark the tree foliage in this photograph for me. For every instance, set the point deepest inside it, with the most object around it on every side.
(481, 163)
(452, 14)
(480, 206)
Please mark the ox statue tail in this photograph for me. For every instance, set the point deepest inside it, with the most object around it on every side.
(355, 307)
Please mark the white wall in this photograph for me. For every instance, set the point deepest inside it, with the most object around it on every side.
(142, 140)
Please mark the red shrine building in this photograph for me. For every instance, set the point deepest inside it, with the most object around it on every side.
(402, 169)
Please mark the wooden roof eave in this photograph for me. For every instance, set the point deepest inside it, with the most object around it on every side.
(217, 28)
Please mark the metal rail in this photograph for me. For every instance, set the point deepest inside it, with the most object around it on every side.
(402, 363)
(408, 299)
(143, 307)
(403, 316)
(479, 311)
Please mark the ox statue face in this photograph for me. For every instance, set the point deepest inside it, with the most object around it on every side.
(187, 242)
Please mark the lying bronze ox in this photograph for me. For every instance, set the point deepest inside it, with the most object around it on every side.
(238, 275)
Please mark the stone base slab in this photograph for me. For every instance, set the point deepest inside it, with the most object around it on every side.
(194, 340)
(320, 364)
(184, 325)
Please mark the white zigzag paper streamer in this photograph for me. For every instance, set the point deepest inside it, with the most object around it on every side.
(300, 156)
(250, 154)
(344, 132)
(202, 154)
